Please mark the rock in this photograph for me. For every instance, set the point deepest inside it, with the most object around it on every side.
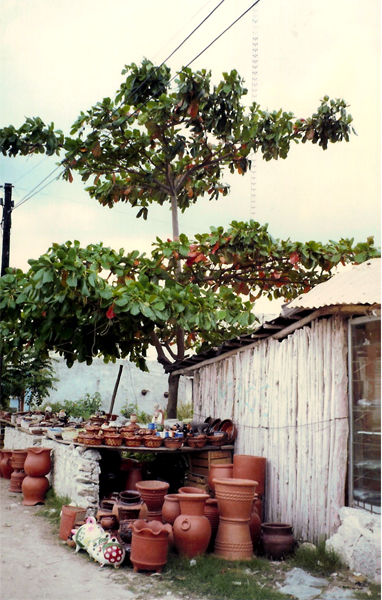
(337, 593)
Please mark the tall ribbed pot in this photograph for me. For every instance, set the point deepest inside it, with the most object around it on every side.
(153, 493)
(246, 466)
(235, 502)
(38, 462)
(149, 545)
(192, 529)
(219, 471)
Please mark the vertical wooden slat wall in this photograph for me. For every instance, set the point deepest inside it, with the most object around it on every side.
(289, 402)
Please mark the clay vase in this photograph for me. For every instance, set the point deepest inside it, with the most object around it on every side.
(211, 511)
(16, 481)
(6, 465)
(235, 501)
(219, 471)
(134, 475)
(255, 527)
(149, 545)
(277, 540)
(250, 467)
(192, 530)
(153, 493)
(18, 459)
(34, 490)
(170, 508)
(70, 517)
(38, 462)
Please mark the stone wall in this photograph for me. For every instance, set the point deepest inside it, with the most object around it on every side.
(358, 542)
(75, 471)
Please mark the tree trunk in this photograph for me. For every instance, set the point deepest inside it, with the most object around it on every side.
(173, 386)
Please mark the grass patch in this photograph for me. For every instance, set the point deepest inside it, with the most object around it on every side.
(215, 578)
(373, 592)
(52, 508)
(318, 561)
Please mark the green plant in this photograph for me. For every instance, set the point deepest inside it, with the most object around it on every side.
(131, 408)
(319, 560)
(84, 407)
(184, 411)
(211, 577)
(52, 508)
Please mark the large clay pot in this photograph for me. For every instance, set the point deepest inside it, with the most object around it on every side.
(149, 545)
(259, 507)
(211, 511)
(219, 471)
(255, 527)
(18, 459)
(134, 475)
(277, 539)
(70, 516)
(6, 465)
(38, 462)
(127, 505)
(16, 481)
(170, 508)
(235, 501)
(34, 490)
(153, 493)
(192, 529)
(246, 466)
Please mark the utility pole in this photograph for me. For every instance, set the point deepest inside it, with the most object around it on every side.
(6, 225)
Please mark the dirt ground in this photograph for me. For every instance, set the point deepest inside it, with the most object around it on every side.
(36, 565)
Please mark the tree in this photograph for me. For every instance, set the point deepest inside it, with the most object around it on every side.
(29, 379)
(85, 302)
(156, 142)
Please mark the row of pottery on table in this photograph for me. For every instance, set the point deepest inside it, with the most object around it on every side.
(26, 469)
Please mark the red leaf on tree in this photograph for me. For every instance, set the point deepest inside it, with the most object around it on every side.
(110, 313)
(215, 248)
(294, 258)
(193, 109)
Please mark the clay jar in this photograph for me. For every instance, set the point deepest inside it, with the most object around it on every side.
(235, 501)
(70, 516)
(277, 539)
(219, 471)
(34, 490)
(149, 545)
(18, 459)
(192, 529)
(134, 475)
(170, 508)
(6, 465)
(255, 527)
(38, 462)
(153, 493)
(211, 511)
(246, 466)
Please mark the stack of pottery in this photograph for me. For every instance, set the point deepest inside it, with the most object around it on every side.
(37, 464)
(153, 493)
(17, 460)
(235, 501)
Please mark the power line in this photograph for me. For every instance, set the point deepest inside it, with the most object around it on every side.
(31, 194)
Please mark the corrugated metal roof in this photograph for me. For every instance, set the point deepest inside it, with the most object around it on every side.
(355, 284)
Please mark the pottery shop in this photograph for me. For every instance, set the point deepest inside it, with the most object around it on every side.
(304, 391)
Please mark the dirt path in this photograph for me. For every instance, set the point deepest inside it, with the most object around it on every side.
(38, 566)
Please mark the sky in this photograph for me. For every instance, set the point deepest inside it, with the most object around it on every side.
(60, 57)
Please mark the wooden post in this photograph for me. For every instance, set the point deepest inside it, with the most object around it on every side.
(115, 389)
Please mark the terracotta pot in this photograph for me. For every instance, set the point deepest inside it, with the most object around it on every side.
(219, 471)
(70, 516)
(149, 545)
(6, 466)
(235, 501)
(134, 475)
(34, 490)
(259, 507)
(170, 508)
(16, 481)
(255, 527)
(190, 490)
(128, 505)
(277, 539)
(250, 467)
(124, 531)
(38, 462)
(108, 521)
(211, 511)
(130, 497)
(192, 530)
(18, 459)
(153, 493)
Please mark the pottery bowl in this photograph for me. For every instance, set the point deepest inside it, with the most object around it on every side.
(115, 440)
(230, 429)
(90, 440)
(152, 441)
(133, 441)
(173, 443)
(197, 441)
(217, 439)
